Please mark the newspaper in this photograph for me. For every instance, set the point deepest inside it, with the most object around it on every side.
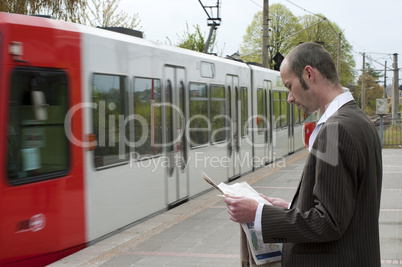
(262, 253)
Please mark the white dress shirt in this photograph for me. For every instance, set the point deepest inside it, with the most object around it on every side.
(331, 109)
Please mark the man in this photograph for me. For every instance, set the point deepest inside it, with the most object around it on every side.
(333, 217)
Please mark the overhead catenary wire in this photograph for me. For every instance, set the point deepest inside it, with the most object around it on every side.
(304, 9)
(290, 36)
(256, 4)
(327, 21)
(383, 65)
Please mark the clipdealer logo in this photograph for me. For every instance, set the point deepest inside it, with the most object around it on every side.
(185, 129)
(201, 160)
(330, 154)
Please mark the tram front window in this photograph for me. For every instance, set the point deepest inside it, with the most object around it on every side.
(37, 146)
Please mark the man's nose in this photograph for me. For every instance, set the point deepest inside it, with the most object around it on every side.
(291, 99)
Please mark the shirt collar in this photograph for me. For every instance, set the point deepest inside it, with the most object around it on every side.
(333, 107)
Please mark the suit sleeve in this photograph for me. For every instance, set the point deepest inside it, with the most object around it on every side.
(324, 205)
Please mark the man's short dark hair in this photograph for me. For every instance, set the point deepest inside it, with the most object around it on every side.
(314, 55)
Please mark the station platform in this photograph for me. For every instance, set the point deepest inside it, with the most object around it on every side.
(200, 233)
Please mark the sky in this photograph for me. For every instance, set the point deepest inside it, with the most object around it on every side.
(372, 27)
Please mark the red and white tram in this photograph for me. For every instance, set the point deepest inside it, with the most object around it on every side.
(101, 129)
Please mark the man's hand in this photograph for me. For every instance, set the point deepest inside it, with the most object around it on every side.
(241, 209)
(276, 201)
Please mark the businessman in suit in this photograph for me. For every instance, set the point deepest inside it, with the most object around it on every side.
(333, 217)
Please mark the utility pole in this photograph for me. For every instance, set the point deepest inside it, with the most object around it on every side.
(363, 89)
(265, 34)
(385, 81)
(213, 22)
(208, 43)
(395, 91)
(339, 56)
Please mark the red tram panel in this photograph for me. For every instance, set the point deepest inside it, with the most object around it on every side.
(40, 219)
(308, 130)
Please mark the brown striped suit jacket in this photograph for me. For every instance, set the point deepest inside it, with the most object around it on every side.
(333, 218)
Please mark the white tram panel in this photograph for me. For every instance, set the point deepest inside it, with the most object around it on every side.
(123, 194)
(210, 157)
(120, 195)
(281, 137)
(244, 157)
(262, 82)
(217, 158)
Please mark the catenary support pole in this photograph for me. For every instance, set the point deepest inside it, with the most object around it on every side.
(395, 91)
(265, 34)
(363, 107)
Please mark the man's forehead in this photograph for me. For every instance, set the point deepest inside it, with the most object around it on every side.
(284, 69)
(284, 65)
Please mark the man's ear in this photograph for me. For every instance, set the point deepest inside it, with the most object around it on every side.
(309, 72)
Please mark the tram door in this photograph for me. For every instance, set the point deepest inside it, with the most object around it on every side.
(268, 130)
(176, 175)
(233, 105)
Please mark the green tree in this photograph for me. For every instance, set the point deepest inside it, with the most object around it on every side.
(376, 74)
(195, 40)
(250, 50)
(105, 13)
(69, 10)
(284, 25)
(287, 31)
(327, 33)
(372, 88)
(284, 28)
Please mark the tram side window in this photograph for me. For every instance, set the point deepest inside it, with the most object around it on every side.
(109, 94)
(297, 113)
(280, 108)
(218, 118)
(37, 143)
(244, 111)
(261, 111)
(198, 114)
(148, 122)
(284, 110)
(302, 116)
(276, 108)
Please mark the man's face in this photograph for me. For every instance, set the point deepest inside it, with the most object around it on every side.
(300, 95)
